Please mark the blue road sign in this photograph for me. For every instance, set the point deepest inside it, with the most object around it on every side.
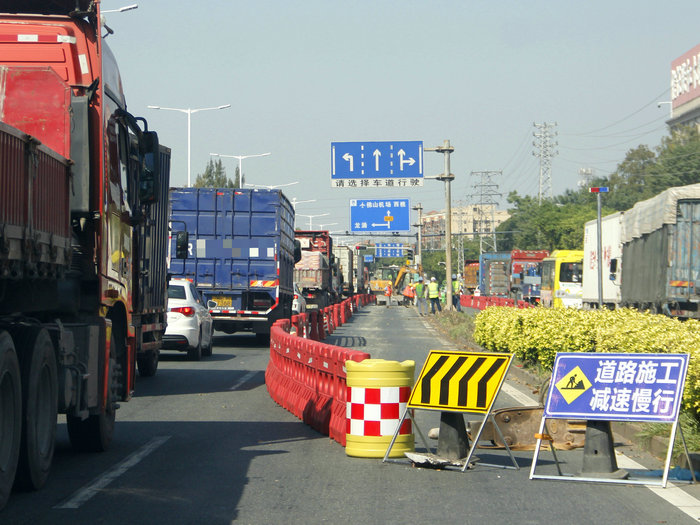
(369, 258)
(376, 164)
(617, 387)
(380, 215)
(389, 249)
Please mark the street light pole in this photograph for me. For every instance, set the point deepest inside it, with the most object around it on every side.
(447, 177)
(240, 161)
(294, 202)
(189, 112)
(312, 216)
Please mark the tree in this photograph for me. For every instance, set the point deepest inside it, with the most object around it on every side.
(214, 176)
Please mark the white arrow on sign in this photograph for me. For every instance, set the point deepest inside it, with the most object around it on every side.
(376, 155)
(386, 223)
(411, 161)
(349, 158)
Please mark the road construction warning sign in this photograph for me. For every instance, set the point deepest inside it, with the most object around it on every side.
(573, 384)
(617, 387)
(460, 381)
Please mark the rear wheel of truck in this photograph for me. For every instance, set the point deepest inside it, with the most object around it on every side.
(10, 415)
(94, 434)
(148, 365)
(39, 406)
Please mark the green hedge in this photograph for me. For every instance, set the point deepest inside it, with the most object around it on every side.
(535, 335)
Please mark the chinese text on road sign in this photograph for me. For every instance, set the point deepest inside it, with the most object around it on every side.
(617, 387)
(376, 164)
(380, 215)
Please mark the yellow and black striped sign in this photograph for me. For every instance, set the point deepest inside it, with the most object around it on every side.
(460, 381)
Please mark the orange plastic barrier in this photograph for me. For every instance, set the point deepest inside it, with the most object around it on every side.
(307, 377)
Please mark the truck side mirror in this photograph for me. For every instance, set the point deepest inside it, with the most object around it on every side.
(148, 178)
(297, 251)
(182, 240)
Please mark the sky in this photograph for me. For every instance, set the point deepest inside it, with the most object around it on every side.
(300, 75)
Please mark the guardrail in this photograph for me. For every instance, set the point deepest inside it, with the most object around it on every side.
(306, 376)
(481, 302)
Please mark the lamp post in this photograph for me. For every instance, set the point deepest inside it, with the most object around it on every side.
(189, 112)
(121, 9)
(240, 161)
(273, 187)
(294, 202)
(312, 216)
(323, 226)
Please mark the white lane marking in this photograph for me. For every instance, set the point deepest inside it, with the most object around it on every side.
(516, 394)
(672, 493)
(243, 379)
(92, 488)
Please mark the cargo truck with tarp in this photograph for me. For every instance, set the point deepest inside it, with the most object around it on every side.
(240, 255)
(660, 266)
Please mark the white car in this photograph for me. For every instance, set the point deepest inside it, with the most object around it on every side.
(190, 328)
(299, 303)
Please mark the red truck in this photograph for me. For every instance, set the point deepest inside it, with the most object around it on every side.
(83, 237)
(316, 274)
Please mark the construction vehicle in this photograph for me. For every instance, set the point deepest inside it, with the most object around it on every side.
(83, 242)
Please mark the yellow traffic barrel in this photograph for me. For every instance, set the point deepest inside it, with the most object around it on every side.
(377, 394)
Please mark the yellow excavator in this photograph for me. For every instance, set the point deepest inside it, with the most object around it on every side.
(394, 275)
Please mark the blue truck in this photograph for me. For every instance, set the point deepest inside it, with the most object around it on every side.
(241, 253)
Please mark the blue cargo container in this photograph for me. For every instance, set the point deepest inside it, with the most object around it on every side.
(241, 253)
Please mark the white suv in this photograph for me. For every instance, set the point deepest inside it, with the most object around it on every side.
(190, 328)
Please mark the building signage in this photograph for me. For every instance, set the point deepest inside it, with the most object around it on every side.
(617, 387)
(685, 77)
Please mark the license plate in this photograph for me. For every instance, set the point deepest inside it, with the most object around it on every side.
(222, 301)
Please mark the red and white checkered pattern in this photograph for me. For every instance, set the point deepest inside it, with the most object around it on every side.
(377, 411)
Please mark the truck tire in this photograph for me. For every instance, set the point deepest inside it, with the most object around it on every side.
(148, 365)
(94, 434)
(195, 353)
(39, 406)
(10, 415)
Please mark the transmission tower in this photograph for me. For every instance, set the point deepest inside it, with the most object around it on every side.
(485, 200)
(545, 151)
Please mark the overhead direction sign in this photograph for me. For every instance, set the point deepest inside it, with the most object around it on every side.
(376, 164)
(460, 381)
(380, 215)
(389, 249)
(617, 387)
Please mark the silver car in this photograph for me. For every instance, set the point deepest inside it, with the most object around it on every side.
(190, 328)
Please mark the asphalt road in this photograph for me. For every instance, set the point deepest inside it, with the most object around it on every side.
(202, 442)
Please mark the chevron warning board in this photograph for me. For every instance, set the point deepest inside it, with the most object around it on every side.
(460, 381)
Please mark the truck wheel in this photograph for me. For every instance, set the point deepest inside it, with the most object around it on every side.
(195, 353)
(10, 415)
(39, 406)
(94, 434)
(148, 365)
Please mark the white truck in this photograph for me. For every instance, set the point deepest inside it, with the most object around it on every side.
(346, 269)
(611, 236)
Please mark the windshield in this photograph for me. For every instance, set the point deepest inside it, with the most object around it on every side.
(176, 291)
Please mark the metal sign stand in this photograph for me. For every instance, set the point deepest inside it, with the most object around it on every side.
(475, 441)
(543, 435)
(579, 386)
